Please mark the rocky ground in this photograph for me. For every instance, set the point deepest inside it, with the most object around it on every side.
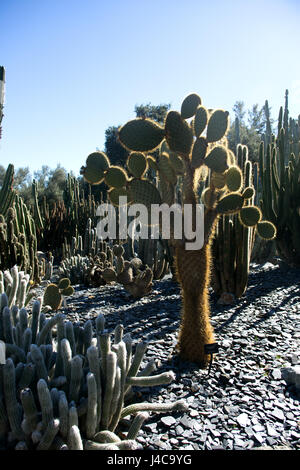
(243, 403)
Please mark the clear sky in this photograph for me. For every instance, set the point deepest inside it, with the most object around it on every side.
(74, 67)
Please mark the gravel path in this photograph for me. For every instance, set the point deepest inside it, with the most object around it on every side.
(243, 403)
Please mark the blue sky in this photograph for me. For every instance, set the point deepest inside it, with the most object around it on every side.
(74, 68)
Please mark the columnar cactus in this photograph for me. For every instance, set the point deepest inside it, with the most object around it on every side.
(233, 241)
(16, 285)
(279, 171)
(189, 154)
(18, 241)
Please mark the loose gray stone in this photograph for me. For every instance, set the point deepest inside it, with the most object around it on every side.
(278, 414)
(243, 419)
(168, 420)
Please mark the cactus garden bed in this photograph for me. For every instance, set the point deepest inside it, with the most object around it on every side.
(247, 400)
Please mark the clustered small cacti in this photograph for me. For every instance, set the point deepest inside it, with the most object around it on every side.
(54, 294)
(76, 268)
(137, 281)
(58, 224)
(16, 285)
(85, 259)
(188, 155)
(46, 267)
(18, 240)
(67, 386)
(155, 254)
(93, 262)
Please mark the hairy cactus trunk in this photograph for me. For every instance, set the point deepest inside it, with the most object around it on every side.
(193, 269)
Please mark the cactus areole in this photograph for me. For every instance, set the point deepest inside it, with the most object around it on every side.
(187, 150)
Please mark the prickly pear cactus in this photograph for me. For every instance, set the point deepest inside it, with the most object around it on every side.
(137, 281)
(54, 293)
(188, 152)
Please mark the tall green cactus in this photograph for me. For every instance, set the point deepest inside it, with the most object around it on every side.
(18, 240)
(279, 171)
(186, 154)
(233, 242)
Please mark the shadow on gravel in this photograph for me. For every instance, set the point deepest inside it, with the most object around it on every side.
(261, 284)
(270, 279)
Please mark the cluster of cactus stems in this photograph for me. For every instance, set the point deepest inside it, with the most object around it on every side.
(137, 281)
(56, 225)
(155, 254)
(93, 262)
(192, 145)
(7, 193)
(18, 238)
(279, 171)
(46, 267)
(233, 242)
(69, 387)
(16, 285)
(109, 266)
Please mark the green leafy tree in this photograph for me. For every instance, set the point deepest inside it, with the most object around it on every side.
(113, 149)
(156, 113)
(249, 132)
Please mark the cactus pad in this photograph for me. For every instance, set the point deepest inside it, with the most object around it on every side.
(217, 159)
(250, 216)
(199, 152)
(115, 193)
(144, 192)
(141, 135)
(234, 178)
(209, 198)
(115, 177)
(217, 125)
(64, 283)
(248, 193)
(200, 120)
(126, 276)
(266, 230)
(68, 291)
(52, 296)
(190, 105)
(96, 164)
(118, 250)
(109, 274)
(230, 203)
(179, 135)
(137, 164)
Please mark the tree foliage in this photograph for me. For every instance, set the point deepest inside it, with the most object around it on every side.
(249, 127)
